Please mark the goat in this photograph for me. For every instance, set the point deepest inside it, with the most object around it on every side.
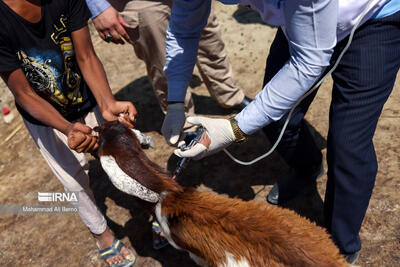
(215, 230)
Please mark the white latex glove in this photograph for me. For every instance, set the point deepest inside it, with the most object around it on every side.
(217, 136)
(173, 123)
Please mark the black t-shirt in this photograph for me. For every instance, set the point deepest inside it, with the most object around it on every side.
(45, 53)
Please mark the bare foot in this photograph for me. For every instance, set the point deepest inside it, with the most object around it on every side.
(105, 240)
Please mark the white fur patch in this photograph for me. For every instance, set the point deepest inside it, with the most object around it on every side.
(163, 221)
(231, 262)
(124, 182)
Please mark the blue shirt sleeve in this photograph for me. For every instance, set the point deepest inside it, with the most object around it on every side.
(97, 6)
(188, 18)
(310, 27)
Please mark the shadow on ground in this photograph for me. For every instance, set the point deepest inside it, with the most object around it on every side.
(141, 93)
(246, 15)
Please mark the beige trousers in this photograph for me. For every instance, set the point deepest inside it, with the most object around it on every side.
(149, 21)
(71, 168)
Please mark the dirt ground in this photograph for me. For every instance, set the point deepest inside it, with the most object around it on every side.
(63, 240)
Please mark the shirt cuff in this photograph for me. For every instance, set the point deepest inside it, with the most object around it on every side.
(252, 118)
(97, 7)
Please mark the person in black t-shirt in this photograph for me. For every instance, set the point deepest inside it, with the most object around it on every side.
(61, 90)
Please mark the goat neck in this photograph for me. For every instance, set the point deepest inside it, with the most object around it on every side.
(128, 167)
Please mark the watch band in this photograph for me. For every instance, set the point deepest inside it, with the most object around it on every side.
(240, 136)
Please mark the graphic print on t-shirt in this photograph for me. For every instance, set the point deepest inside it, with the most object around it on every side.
(53, 75)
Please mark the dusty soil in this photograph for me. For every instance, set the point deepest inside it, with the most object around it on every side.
(63, 240)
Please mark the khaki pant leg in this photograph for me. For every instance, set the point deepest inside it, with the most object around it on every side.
(215, 68)
(71, 168)
(149, 21)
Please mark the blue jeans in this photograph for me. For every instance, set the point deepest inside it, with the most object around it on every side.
(363, 81)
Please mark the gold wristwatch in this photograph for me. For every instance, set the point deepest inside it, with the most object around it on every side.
(240, 136)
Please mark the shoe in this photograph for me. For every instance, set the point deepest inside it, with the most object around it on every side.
(246, 100)
(293, 186)
(352, 258)
(114, 250)
(158, 240)
(195, 81)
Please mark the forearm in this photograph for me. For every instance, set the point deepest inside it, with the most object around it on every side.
(32, 103)
(91, 68)
(95, 77)
(180, 61)
(311, 34)
(41, 110)
(187, 20)
(277, 97)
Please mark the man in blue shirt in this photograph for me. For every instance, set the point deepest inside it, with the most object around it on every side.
(311, 34)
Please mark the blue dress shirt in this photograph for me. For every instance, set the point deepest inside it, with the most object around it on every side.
(311, 27)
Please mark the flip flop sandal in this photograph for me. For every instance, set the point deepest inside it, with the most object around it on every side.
(158, 241)
(114, 250)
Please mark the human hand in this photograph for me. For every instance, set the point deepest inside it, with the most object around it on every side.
(218, 135)
(80, 138)
(123, 111)
(110, 23)
(173, 123)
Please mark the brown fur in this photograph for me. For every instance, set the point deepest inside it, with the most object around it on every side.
(209, 225)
